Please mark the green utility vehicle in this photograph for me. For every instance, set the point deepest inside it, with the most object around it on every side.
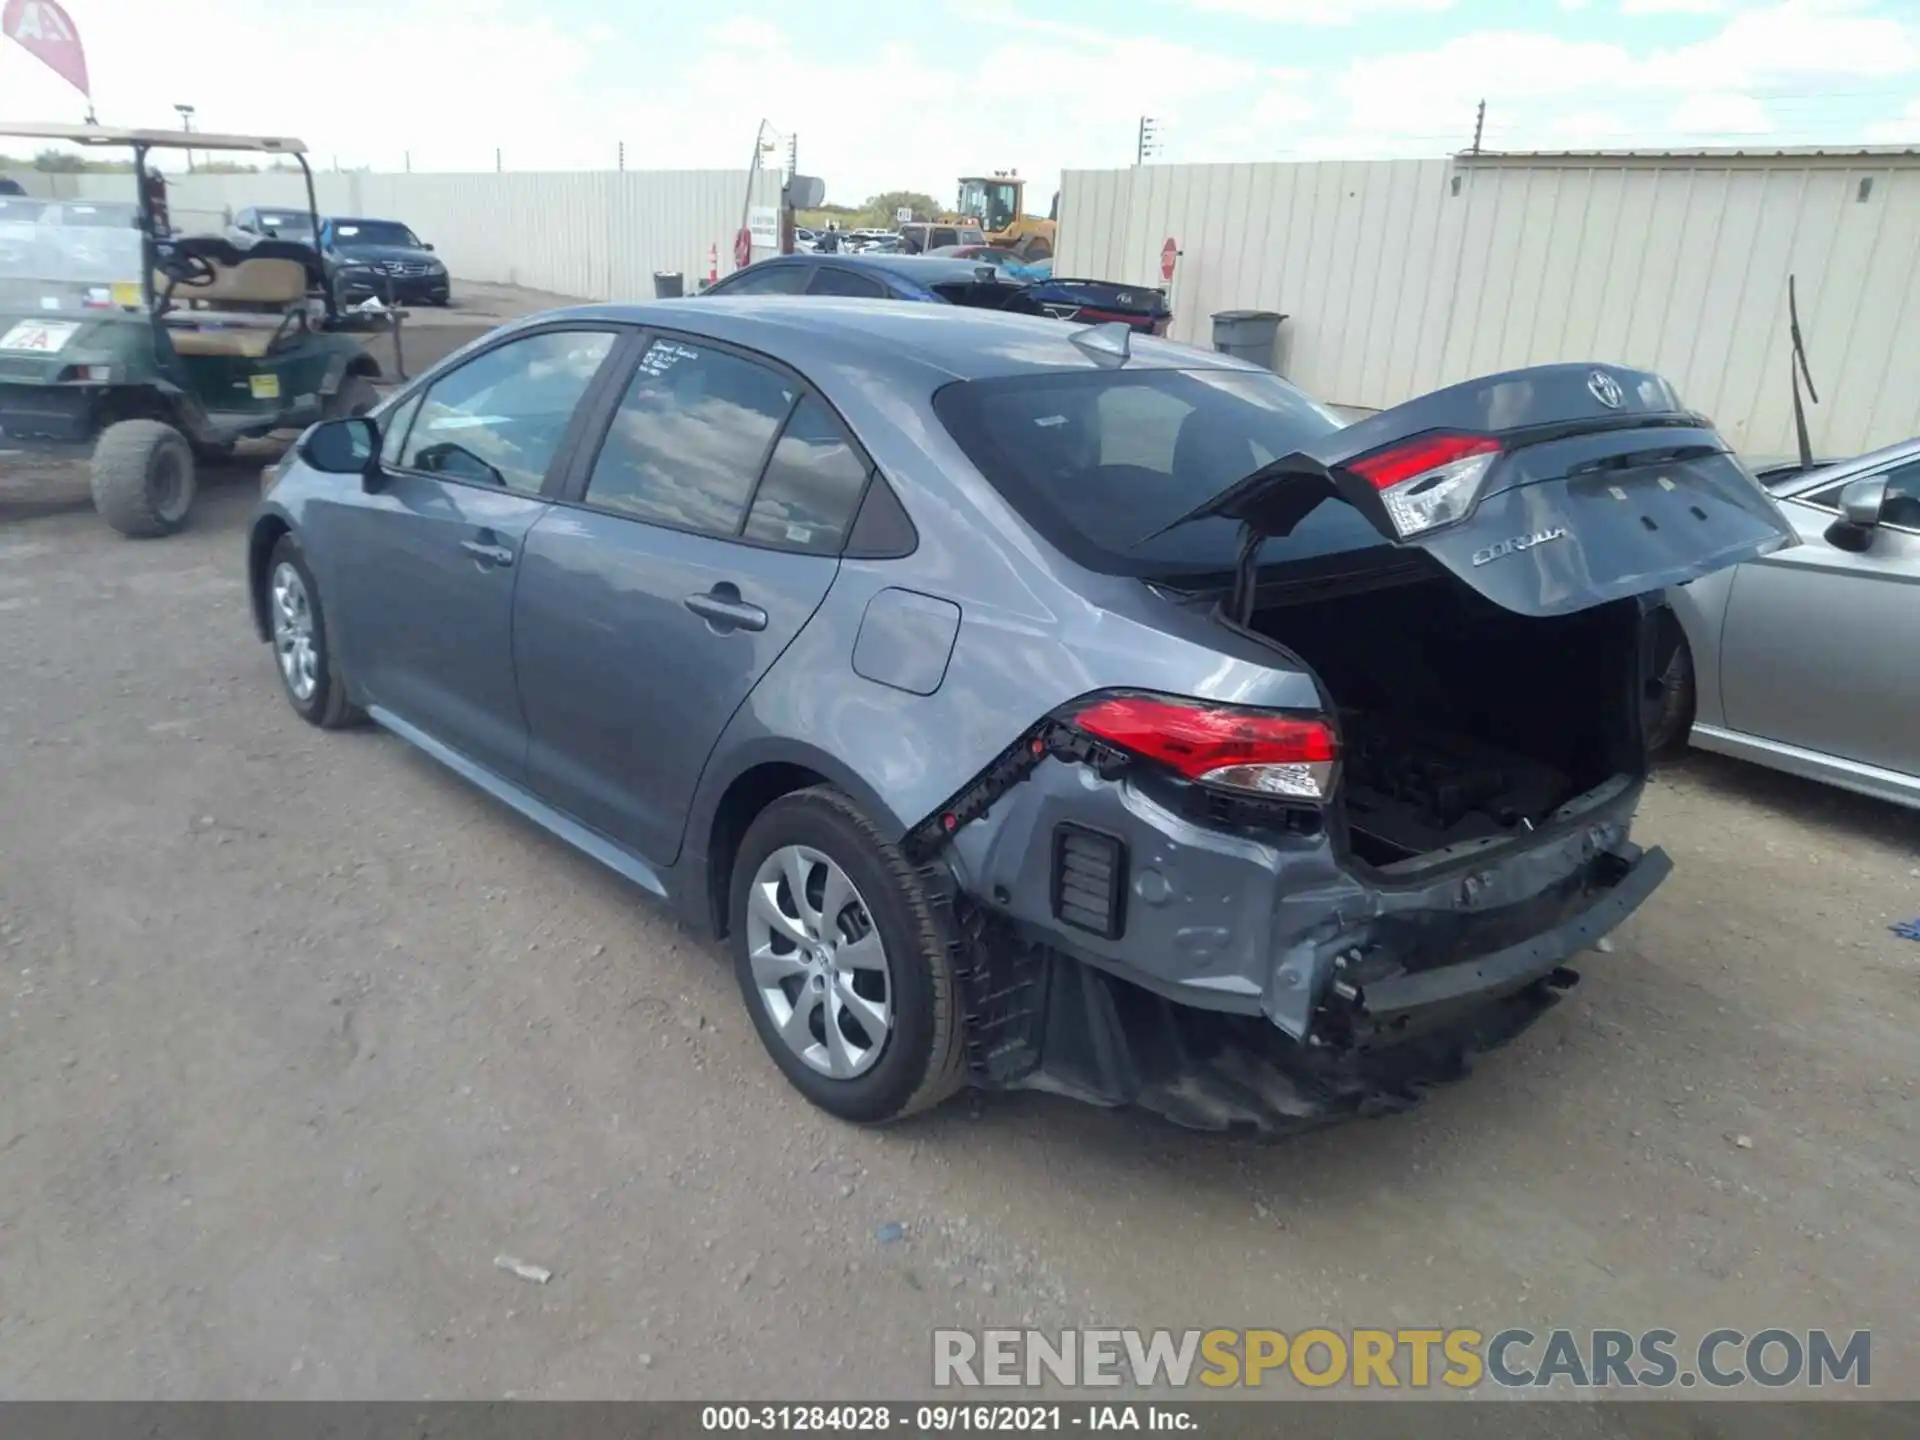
(154, 349)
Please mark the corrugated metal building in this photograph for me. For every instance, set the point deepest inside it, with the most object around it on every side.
(1399, 276)
(598, 235)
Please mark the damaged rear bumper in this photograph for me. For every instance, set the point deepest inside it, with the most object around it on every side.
(1253, 977)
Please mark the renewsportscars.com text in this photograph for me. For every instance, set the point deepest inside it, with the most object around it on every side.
(1413, 1359)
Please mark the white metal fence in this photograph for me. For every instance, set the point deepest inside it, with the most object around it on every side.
(1400, 276)
(595, 235)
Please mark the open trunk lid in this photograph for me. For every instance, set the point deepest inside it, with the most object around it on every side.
(1548, 490)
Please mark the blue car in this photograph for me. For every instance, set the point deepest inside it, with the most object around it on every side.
(1026, 704)
(949, 280)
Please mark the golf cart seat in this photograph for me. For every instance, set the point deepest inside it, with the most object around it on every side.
(243, 309)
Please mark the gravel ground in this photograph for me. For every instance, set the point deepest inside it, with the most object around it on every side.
(301, 1033)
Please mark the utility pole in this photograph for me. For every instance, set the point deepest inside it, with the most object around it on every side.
(497, 166)
(793, 154)
(407, 157)
(1149, 141)
(622, 161)
(1479, 125)
(186, 124)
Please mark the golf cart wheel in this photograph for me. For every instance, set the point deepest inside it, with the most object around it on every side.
(143, 478)
(844, 961)
(356, 396)
(313, 686)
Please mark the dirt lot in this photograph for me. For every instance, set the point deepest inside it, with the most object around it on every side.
(301, 1033)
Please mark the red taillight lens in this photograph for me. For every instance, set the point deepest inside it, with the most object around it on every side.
(1430, 480)
(1261, 751)
(1386, 468)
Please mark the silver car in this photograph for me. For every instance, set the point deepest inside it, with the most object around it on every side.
(1804, 660)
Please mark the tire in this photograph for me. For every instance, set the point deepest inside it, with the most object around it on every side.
(920, 1059)
(143, 478)
(289, 607)
(356, 396)
(1669, 715)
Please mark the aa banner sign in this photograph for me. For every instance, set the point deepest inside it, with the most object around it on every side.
(46, 30)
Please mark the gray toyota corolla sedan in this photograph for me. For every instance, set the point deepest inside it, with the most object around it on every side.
(1029, 704)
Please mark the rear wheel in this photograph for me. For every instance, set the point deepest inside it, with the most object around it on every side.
(844, 961)
(1669, 705)
(143, 478)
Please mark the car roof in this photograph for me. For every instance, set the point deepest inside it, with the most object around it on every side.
(924, 269)
(887, 340)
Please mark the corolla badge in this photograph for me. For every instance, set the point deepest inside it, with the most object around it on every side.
(1515, 544)
(1606, 389)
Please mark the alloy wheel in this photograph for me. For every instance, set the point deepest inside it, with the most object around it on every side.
(819, 966)
(293, 633)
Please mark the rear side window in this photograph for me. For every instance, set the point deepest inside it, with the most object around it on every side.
(689, 438)
(772, 280)
(831, 280)
(813, 485)
(1100, 462)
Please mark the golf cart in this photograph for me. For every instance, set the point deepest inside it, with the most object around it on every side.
(156, 349)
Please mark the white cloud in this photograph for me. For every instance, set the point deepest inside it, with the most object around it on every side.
(1319, 12)
(1034, 93)
(1796, 39)
(1718, 114)
(1677, 7)
(746, 32)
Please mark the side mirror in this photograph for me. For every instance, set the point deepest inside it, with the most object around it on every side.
(426, 247)
(1861, 505)
(1863, 501)
(343, 447)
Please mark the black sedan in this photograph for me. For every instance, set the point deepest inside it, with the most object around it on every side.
(383, 258)
(938, 280)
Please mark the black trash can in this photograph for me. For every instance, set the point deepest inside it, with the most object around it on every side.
(1247, 334)
(669, 284)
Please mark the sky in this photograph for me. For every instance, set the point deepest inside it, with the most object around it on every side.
(910, 94)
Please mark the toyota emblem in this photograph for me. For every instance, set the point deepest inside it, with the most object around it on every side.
(1606, 389)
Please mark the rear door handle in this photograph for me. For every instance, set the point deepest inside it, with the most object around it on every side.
(487, 554)
(722, 608)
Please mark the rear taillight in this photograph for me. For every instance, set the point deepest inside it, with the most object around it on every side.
(1260, 752)
(1429, 481)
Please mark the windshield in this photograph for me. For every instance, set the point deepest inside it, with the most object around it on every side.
(994, 203)
(283, 222)
(352, 234)
(68, 255)
(1100, 462)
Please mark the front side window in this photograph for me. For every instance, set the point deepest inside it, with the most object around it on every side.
(831, 280)
(1902, 507)
(813, 485)
(501, 417)
(688, 440)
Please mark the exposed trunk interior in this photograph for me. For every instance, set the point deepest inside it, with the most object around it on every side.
(1461, 721)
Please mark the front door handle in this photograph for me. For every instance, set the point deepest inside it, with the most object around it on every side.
(723, 609)
(486, 554)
